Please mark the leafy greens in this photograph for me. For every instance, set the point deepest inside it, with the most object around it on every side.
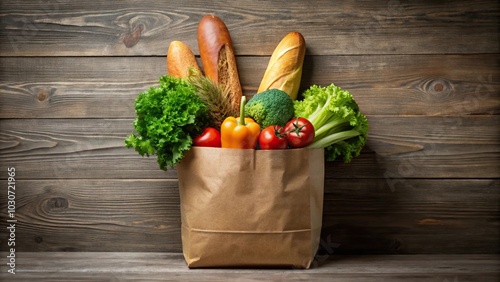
(339, 126)
(169, 116)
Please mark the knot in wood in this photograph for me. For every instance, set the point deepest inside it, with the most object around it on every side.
(43, 95)
(38, 239)
(131, 38)
(439, 87)
(57, 204)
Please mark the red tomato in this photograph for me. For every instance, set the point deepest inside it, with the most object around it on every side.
(210, 137)
(272, 137)
(299, 132)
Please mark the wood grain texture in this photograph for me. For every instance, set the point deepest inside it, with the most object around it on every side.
(382, 85)
(97, 215)
(360, 216)
(426, 73)
(57, 266)
(398, 147)
(411, 216)
(64, 28)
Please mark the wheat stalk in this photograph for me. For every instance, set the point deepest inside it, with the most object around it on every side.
(213, 95)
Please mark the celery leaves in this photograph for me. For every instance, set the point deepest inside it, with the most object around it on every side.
(339, 126)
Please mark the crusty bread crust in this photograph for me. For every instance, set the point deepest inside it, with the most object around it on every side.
(218, 58)
(180, 59)
(284, 70)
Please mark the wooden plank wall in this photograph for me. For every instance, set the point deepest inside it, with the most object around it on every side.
(426, 73)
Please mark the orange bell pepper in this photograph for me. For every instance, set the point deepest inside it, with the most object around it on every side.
(241, 132)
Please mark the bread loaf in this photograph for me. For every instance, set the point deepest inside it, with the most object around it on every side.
(180, 59)
(218, 58)
(284, 70)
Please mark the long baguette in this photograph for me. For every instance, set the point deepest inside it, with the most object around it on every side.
(217, 57)
(284, 70)
(180, 59)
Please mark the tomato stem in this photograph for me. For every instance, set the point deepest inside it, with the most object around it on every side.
(278, 131)
(297, 128)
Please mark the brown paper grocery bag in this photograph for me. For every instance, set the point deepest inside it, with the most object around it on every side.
(251, 208)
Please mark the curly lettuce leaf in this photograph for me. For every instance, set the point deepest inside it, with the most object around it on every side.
(339, 126)
(169, 116)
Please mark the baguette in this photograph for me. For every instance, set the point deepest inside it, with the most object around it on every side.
(217, 57)
(284, 70)
(180, 59)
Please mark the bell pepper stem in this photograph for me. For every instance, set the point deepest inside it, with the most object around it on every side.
(242, 110)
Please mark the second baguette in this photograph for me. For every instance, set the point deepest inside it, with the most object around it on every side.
(218, 58)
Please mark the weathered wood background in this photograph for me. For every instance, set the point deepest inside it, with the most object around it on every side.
(426, 73)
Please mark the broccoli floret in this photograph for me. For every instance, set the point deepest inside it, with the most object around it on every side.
(270, 107)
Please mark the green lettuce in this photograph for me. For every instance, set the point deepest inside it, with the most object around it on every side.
(169, 116)
(339, 126)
